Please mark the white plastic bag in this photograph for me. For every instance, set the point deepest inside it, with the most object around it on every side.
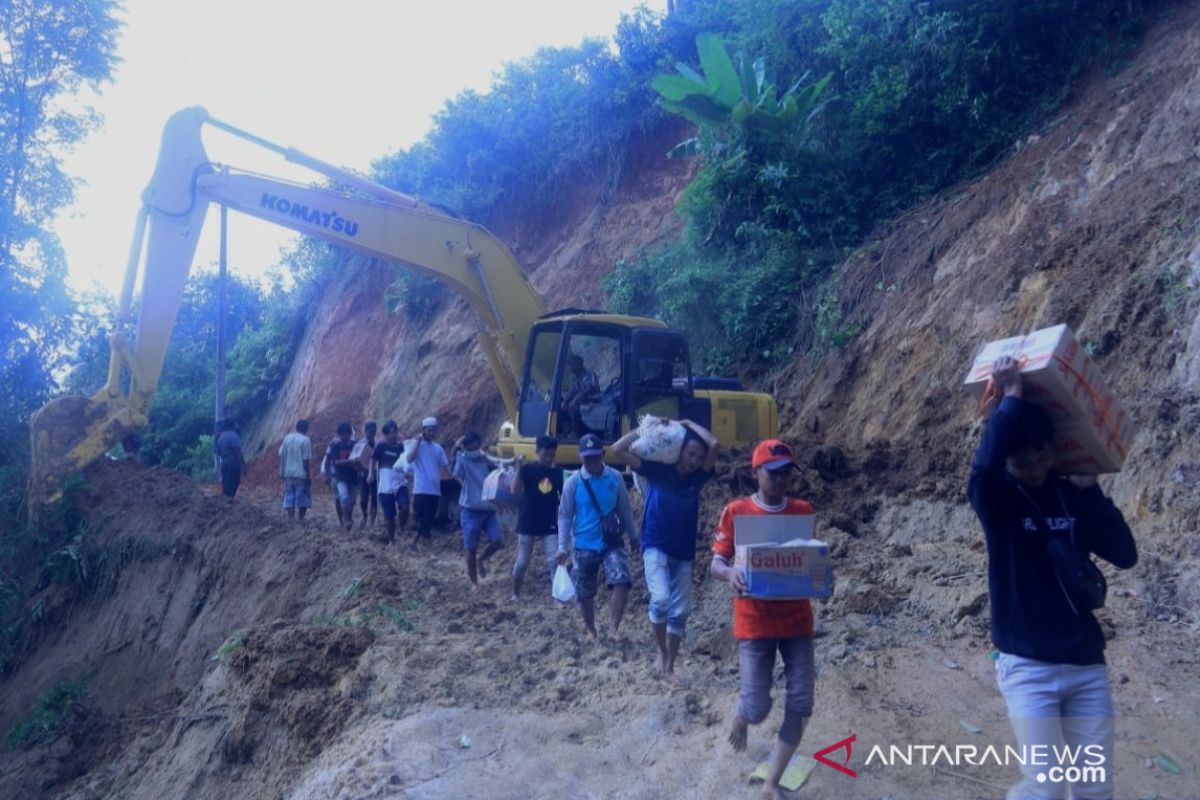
(497, 487)
(362, 453)
(563, 588)
(659, 440)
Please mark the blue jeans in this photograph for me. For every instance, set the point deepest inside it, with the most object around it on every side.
(296, 493)
(670, 583)
(1055, 705)
(475, 523)
(525, 545)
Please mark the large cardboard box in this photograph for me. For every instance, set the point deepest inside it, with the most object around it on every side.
(1092, 431)
(781, 559)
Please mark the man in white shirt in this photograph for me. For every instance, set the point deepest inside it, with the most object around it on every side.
(426, 468)
(295, 460)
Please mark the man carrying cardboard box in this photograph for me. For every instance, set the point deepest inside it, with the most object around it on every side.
(1040, 529)
(763, 627)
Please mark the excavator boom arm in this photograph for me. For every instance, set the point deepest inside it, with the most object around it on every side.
(70, 432)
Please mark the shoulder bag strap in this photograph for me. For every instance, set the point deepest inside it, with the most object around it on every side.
(1040, 523)
(588, 485)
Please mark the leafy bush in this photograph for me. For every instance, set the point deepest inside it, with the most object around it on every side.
(734, 301)
(199, 463)
(262, 355)
(415, 295)
(50, 715)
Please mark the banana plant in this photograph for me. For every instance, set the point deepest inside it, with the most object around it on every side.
(726, 95)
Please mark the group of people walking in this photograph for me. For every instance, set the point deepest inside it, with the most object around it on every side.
(1051, 669)
(374, 472)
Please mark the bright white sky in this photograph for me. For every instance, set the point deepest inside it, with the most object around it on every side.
(347, 82)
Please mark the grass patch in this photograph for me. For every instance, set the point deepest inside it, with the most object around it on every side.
(382, 618)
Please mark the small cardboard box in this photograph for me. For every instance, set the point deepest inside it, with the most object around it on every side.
(781, 559)
(1092, 431)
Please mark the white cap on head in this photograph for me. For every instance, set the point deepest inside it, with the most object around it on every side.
(429, 422)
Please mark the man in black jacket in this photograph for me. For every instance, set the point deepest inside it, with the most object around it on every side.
(1051, 668)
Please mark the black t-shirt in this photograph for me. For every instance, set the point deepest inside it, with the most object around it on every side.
(539, 500)
(340, 451)
(387, 454)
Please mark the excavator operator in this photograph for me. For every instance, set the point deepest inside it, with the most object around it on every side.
(584, 387)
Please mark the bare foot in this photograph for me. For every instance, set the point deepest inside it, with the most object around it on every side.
(592, 635)
(516, 598)
(675, 680)
(737, 733)
(474, 588)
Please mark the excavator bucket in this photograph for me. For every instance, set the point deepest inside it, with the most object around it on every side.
(67, 434)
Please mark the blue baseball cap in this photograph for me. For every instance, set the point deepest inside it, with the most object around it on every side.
(590, 445)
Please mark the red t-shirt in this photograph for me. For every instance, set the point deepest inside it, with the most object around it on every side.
(763, 619)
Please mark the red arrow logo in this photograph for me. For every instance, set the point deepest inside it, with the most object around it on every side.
(848, 745)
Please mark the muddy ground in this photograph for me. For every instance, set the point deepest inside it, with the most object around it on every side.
(237, 656)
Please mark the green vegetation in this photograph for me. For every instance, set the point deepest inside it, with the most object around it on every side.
(51, 51)
(231, 644)
(818, 119)
(380, 618)
(922, 95)
(48, 551)
(50, 716)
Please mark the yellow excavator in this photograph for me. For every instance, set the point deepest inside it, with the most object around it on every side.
(563, 373)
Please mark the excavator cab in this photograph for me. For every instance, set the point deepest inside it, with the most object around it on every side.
(592, 372)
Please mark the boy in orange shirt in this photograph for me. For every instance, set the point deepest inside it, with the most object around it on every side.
(764, 626)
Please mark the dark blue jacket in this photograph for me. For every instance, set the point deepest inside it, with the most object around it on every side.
(1031, 614)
